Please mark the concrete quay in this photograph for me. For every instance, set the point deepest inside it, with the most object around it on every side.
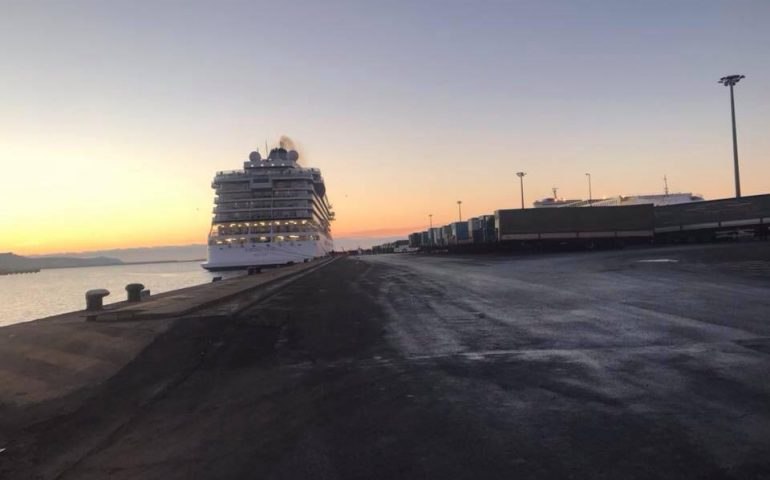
(641, 363)
(63, 358)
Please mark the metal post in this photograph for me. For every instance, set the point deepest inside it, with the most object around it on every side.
(730, 81)
(590, 196)
(521, 181)
(735, 146)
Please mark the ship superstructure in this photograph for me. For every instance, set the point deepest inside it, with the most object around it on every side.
(272, 212)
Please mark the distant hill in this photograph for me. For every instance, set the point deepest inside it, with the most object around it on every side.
(10, 262)
(174, 253)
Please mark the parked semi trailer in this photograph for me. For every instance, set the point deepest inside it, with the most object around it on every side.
(575, 224)
(714, 219)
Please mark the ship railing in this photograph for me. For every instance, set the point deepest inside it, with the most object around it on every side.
(279, 194)
(246, 196)
(287, 171)
(231, 172)
(240, 208)
(267, 215)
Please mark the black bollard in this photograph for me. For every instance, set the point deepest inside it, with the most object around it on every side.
(134, 291)
(94, 298)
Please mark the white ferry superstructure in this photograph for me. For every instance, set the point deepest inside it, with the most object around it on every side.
(273, 212)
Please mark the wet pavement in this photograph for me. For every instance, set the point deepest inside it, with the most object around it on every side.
(648, 363)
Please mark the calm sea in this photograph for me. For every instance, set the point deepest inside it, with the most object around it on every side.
(31, 296)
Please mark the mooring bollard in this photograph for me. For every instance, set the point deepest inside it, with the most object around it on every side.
(134, 291)
(94, 298)
(216, 279)
(145, 293)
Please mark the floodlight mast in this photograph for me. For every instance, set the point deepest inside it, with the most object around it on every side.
(521, 181)
(590, 195)
(730, 81)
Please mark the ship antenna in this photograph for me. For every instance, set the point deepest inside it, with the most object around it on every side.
(665, 184)
(555, 197)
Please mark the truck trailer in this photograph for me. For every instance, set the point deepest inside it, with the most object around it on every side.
(575, 224)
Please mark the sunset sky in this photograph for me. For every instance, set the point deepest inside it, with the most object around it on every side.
(114, 116)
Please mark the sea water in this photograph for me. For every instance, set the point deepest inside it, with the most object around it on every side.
(30, 296)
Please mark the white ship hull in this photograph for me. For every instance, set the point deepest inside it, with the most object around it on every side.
(235, 257)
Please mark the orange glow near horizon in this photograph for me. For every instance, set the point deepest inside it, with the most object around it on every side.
(107, 203)
(83, 197)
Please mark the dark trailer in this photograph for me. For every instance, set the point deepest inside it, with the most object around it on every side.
(713, 219)
(587, 225)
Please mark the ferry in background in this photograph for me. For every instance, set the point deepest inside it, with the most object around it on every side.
(272, 212)
(621, 200)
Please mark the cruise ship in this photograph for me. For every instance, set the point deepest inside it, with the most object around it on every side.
(272, 212)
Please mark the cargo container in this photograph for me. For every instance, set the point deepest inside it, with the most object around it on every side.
(474, 229)
(459, 233)
(446, 235)
(575, 224)
(400, 246)
(414, 240)
(434, 235)
(488, 231)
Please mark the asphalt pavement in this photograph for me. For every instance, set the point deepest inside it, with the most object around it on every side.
(640, 363)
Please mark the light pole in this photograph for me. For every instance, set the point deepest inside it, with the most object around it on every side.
(521, 181)
(430, 230)
(590, 197)
(730, 81)
(459, 209)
